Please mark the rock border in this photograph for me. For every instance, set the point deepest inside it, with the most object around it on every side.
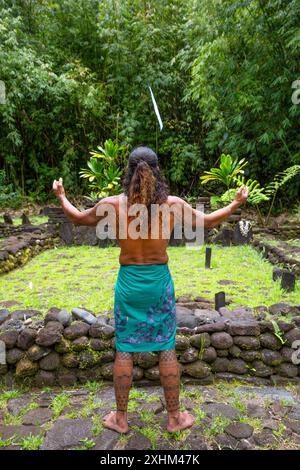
(276, 256)
(65, 349)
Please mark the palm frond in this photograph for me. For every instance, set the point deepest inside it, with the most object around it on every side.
(228, 169)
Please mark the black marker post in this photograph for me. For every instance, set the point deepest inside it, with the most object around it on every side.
(207, 257)
(219, 300)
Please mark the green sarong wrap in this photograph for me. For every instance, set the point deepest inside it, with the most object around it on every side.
(144, 308)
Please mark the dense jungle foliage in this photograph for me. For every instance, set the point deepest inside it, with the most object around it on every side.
(76, 72)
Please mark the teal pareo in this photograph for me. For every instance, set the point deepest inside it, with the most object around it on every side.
(144, 308)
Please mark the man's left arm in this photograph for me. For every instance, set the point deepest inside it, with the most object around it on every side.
(217, 217)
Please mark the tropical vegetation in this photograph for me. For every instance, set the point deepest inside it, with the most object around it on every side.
(76, 74)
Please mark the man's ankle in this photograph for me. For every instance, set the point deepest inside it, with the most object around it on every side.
(173, 414)
(121, 414)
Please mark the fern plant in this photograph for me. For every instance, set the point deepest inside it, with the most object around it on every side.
(280, 179)
(256, 194)
(277, 332)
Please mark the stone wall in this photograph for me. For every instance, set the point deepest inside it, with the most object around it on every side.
(283, 232)
(6, 230)
(277, 256)
(71, 234)
(65, 349)
(16, 250)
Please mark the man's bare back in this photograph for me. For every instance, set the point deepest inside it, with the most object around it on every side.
(141, 250)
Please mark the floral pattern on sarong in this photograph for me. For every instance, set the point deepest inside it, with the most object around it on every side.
(158, 326)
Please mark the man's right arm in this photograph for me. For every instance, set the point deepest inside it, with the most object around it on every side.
(87, 217)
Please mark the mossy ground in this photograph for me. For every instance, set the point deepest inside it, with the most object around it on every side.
(84, 276)
(274, 411)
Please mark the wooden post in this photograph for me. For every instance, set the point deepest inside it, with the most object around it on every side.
(219, 300)
(277, 273)
(7, 219)
(25, 219)
(207, 257)
(226, 236)
(288, 281)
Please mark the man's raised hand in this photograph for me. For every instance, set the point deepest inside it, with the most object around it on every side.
(242, 194)
(58, 188)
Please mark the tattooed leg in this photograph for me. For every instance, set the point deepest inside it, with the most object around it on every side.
(122, 379)
(122, 374)
(170, 380)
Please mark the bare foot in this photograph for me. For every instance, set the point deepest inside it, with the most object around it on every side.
(111, 421)
(182, 421)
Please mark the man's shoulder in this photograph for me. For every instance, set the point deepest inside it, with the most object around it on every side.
(114, 200)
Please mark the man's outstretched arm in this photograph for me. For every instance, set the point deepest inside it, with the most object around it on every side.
(218, 216)
(86, 217)
(198, 218)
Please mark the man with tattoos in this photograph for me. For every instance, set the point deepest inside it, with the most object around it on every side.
(144, 302)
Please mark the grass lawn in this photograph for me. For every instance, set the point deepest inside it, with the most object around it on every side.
(69, 277)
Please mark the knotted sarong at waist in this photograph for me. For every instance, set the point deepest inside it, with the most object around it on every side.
(144, 308)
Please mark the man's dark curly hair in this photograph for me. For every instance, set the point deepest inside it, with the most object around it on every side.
(143, 182)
